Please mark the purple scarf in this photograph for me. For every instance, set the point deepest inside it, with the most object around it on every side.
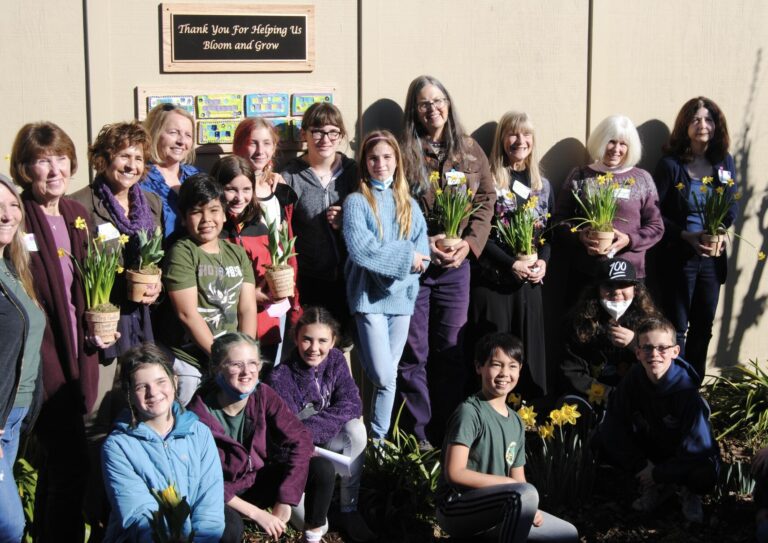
(139, 213)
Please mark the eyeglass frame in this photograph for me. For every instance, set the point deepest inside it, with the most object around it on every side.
(237, 366)
(661, 349)
(323, 133)
(437, 103)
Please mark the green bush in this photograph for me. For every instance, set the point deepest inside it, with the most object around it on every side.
(26, 480)
(739, 401)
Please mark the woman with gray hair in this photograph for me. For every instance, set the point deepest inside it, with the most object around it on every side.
(615, 149)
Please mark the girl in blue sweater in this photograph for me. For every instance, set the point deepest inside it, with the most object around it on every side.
(386, 238)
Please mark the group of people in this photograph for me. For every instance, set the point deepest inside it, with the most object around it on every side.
(179, 392)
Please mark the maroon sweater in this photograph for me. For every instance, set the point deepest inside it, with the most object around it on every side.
(62, 368)
(276, 436)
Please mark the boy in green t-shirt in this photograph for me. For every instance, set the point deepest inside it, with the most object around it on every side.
(210, 282)
(483, 483)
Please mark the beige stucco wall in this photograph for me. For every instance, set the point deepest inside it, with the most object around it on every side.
(647, 58)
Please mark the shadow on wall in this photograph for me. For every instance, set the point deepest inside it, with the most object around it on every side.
(653, 135)
(484, 136)
(383, 114)
(735, 323)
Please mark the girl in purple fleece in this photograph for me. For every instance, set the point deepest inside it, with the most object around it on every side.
(316, 384)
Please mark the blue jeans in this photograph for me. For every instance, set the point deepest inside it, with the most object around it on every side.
(695, 303)
(381, 342)
(12, 519)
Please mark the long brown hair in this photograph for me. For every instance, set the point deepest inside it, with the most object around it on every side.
(17, 252)
(400, 188)
(226, 169)
(679, 143)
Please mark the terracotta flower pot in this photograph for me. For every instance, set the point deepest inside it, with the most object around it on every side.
(713, 243)
(138, 283)
(103, 324)
(604, 239)
(281, 282)
(447, 243)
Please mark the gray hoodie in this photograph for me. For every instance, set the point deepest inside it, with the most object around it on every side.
(320, 249)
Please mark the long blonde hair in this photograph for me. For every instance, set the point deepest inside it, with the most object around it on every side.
(17, 249)
(518, 123)
(400, 187)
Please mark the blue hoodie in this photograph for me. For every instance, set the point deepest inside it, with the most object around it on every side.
(666, 423)
(136, 460)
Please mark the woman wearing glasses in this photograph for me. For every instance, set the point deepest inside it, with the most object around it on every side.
(601, 327)
(322, 177)
(171, 153)
(434, 141)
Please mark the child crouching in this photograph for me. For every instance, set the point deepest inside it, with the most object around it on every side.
(657, 425)
(483, 485)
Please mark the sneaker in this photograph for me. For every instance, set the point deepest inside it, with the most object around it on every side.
(651, 498)
(425, 446)
(691, 505)
(353, 524)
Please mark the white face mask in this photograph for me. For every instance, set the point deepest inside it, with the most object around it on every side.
(616, 309)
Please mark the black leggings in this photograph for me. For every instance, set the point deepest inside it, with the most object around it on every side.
(317, 496)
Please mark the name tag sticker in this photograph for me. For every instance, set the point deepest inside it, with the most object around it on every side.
(29, 241)
(622, 193)
(109, 231)
(521, 190)
(454, 178)
(725, 175)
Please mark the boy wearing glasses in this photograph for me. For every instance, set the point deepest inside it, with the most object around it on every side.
(657, 425)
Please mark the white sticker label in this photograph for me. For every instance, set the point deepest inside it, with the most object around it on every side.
(29, 241)
(454, 178)
(521, 190)
(109, 231)
(622, 193)
(725, 175)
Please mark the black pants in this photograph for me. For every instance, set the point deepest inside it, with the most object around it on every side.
(317, 496)
(64, 471)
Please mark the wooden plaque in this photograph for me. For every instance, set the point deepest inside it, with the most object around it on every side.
(238, 38)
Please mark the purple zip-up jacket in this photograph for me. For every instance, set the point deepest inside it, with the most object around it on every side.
(278, 436)
(326, 390)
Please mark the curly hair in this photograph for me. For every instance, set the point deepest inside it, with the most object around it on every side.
(588, 318)
(679, 144)
(115, 137)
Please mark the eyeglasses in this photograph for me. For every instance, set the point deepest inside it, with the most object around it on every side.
(437, 103)
(661, 349)
(239, 367)
(317, 134)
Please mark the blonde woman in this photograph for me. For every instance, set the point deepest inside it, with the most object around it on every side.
(386, 236)
(505, 293)
(171, 155)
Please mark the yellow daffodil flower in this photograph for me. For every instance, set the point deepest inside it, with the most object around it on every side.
(547, 431)
(439, 192)
(514, 399)
(761, 255)
(80, 223)
(548, 215)
(542, 241)
(528, 416)
(601, 180)
(679, 186)
(738, 196)
(706, 180)
(509, 196)
(123, 239)
(574, 229)
(703, 188)
(469, 192)
(170, 496)
(609, 176)
(570, 413)
(434, 177)
(596, 393)
(101, 238)
(61, 252)
(631, 181)
(120, 269)
(720, 190)
(730, 182)
(556, 416)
